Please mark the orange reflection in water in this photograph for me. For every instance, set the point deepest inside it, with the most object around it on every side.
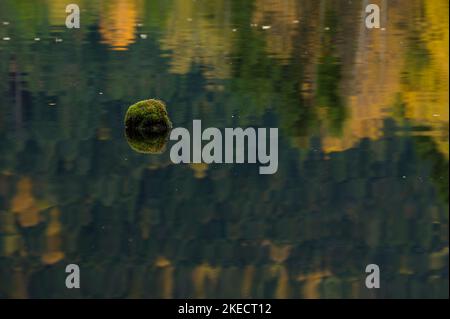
(118, 23)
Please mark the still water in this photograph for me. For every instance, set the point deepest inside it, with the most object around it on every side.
(363, 149)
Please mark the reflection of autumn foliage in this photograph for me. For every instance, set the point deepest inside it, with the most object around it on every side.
(57, 12)
(371, 82)
(159, 232)
(28, 209)
(200, 275)
(53, 253)
(375, 86)
(283, 18)
(311, 283)
(278, 254)
(199, 33)
(166, 278)
(199, 169)
(426, 79)
(118, 23)
(25, 204)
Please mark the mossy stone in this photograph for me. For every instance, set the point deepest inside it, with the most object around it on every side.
(149, 116)
(147, 126)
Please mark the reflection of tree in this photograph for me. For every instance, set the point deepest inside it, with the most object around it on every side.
(427, 148)
(254, 242)
(387, 75)
(25, 204)
(329, 77)
(199, 33)
(53, 252)
(282, 17)
(71, 189)
(118, 20)
(425, 80)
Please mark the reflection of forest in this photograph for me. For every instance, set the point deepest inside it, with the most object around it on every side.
(363, 165)
(341, 89)
(308, 231)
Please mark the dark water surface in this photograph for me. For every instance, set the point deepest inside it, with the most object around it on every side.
(363, 149)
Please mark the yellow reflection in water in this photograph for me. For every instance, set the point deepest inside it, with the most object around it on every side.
(279, 19)
(397, 74)
(201, 274)
(199, 32)
(426, 92)
(25, 204)
(53, 252)
(118, 23)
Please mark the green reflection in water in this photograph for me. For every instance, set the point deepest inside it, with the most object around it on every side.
(147, 143)
(356, 185)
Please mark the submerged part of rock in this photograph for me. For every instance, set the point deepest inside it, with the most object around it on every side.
(147, 126)
(148, 117)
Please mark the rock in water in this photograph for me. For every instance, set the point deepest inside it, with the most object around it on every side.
(148, 116)
(147, 126)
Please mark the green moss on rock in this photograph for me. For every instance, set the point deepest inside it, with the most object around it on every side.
(147, 126)
(149, 116)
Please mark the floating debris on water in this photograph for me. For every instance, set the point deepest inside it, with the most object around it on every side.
(6, 38)
(266, 27)
(143, 36)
